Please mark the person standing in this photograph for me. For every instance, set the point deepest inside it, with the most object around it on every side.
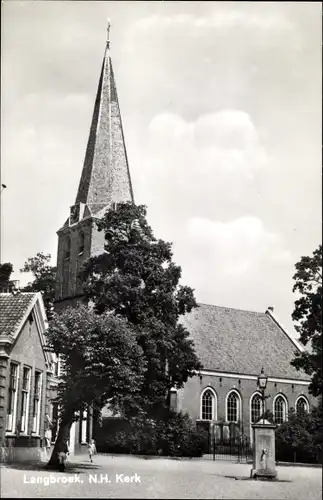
(92, 449)
(48, 439)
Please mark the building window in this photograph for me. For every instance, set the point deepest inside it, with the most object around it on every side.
(60, 366)
(81, 242)
(208, 405)
(280, 409)
(66, 277)
(301, 405)
(67, 254)
(37, 402)
(55, 368)
(233, 407)
(12, 399)
(173, 400)
(25, 391)
(256, 408)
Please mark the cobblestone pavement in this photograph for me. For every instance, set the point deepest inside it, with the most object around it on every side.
(110, 477)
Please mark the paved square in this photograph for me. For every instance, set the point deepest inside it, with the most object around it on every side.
(131, 477)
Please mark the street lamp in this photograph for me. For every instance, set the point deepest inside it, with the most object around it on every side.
(263, 439)
(262, 384)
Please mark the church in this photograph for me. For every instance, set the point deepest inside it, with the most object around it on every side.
(233, 345)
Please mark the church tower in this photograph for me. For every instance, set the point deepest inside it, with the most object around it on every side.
(105, 180)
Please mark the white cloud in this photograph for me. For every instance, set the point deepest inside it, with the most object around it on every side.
(216, 153)
(224, 130)
(236, 248)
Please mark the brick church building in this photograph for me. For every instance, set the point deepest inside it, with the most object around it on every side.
(233, 345)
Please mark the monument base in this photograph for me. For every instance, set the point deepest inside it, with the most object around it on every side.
(263, 475)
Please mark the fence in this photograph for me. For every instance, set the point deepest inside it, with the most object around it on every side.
(226, 441)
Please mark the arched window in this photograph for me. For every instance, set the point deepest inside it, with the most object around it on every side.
(68, 248)
(208, 405)
(255, 408)
(280, 409)
(301, 405)
(233, 407)
(81, 242)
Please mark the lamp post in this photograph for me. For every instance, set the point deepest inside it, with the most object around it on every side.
(263, 439)
(262, 384)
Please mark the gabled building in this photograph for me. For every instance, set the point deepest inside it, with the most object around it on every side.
(234, 346)
(26, 376)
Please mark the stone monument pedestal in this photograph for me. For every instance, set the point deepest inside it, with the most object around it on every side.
(264, 460)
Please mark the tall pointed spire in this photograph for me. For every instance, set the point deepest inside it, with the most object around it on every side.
(105, 176)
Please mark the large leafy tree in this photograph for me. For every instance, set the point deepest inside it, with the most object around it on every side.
(44, 278)
(101, 361)
(308, 317)
(136, 279)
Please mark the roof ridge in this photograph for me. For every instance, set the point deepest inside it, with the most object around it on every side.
(230, 308)
(14, 309)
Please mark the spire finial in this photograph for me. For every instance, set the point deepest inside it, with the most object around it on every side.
(108, 35)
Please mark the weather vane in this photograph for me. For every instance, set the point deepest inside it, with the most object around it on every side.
(108, 30)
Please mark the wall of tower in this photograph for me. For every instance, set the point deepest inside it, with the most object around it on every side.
(76, 243)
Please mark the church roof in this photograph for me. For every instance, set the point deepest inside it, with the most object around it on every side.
(237, 341)
(13, 309)
(105, 175)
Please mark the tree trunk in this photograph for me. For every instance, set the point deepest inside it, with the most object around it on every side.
(62, 436)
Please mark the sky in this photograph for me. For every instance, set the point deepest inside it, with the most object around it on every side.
(221, 109)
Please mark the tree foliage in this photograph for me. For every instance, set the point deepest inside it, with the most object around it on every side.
(6, 270)
(44, 278)
(175, 435)
(308, 317)
(299, 438)
(101, 362)
(136, 279)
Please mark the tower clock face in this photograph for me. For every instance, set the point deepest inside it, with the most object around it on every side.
(75, 214)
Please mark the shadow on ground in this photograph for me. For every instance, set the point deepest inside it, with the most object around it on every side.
(71, 467)
(243, 478)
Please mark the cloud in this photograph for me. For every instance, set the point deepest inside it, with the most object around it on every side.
(236, 248)
(217, 155)
(239, 263)
(226, 129)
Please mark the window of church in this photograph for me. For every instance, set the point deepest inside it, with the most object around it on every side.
(256, 408)
(280, 410)
(68, 248)
(81, 243)
(207, 405)
(301, 406)
(233, 407)
(66, 278)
